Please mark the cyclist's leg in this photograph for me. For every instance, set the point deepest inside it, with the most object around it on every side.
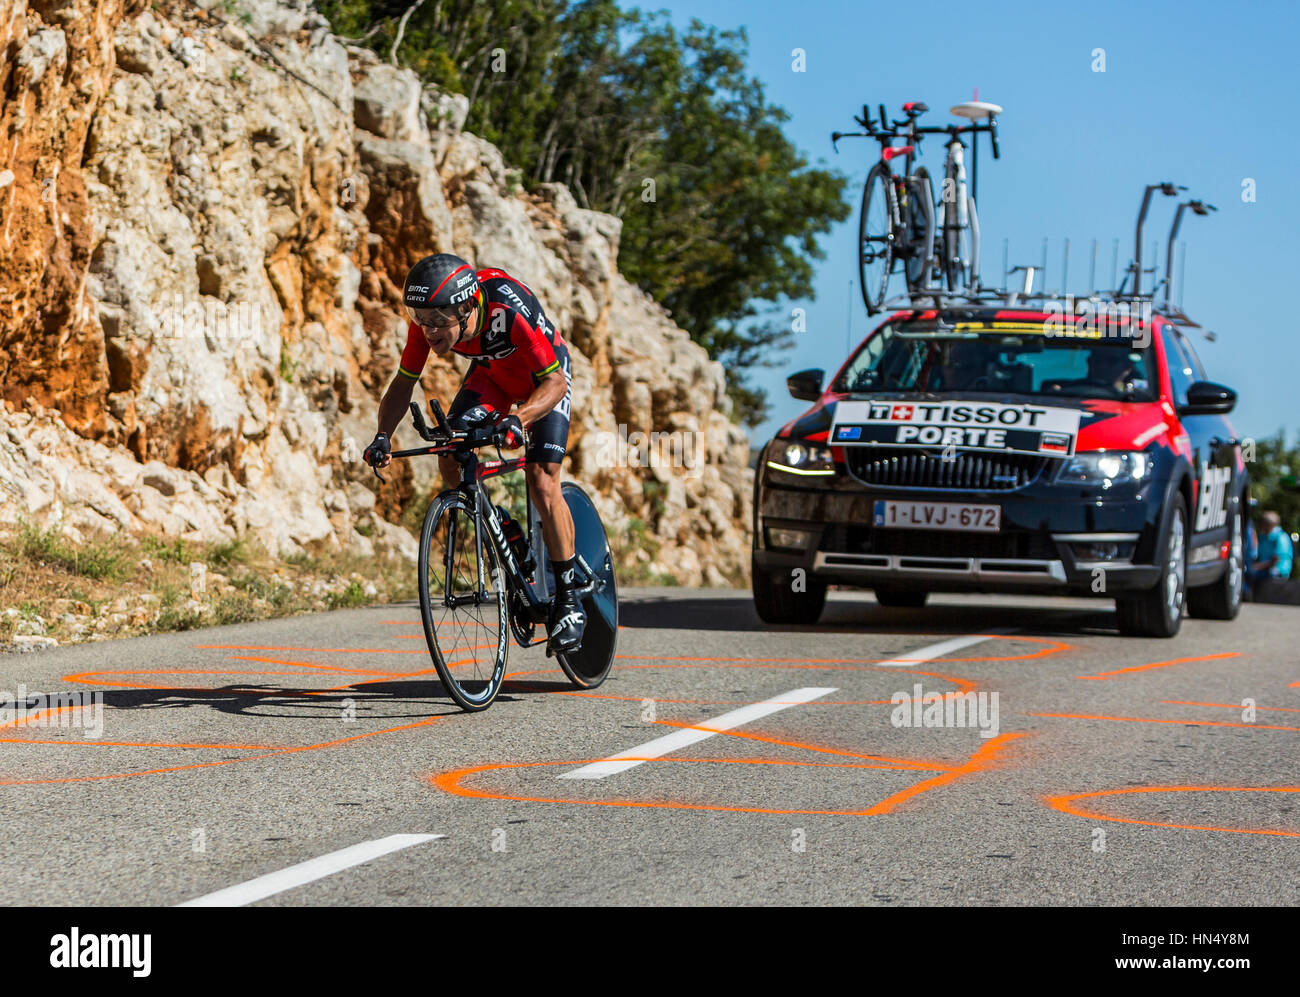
(547, 440)
(557, 521)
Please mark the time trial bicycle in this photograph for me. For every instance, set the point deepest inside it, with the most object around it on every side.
(477, 586)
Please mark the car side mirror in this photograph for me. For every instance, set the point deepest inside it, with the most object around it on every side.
(1208, 398)
(806, 385)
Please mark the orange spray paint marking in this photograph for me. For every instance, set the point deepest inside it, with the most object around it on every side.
(453, 782)
(1102, 676)
(1155, 720)
(1066, 804)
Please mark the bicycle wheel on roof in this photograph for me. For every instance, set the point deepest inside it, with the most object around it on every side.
(876, 236)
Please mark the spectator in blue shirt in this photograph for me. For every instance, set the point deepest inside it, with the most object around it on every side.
(1275, 550)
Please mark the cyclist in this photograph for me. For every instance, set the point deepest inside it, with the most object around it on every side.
(518, 358)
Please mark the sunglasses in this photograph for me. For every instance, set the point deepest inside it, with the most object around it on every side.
(440, 318)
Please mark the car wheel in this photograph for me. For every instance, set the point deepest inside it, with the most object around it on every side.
(1159, 611)
(779, 600)
(1222, 599)
(897, 599)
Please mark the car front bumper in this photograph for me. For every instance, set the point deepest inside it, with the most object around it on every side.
(1043, 545)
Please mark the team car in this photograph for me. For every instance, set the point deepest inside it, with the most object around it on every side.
(1002, 449)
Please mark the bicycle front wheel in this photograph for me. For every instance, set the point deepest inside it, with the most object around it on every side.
(876, 236)
(462, 602)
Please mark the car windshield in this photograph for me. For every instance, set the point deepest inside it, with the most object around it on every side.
(1019, 358)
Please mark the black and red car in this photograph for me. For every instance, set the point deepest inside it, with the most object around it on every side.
(999, 449)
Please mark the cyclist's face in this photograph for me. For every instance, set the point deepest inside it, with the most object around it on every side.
(441, 327)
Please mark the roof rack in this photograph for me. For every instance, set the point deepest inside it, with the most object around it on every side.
(990, 297)
(1008, 297)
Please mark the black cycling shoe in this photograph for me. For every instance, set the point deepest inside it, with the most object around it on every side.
(566, 624)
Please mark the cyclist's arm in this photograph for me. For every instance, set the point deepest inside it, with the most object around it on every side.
(397, 398)
(396, 401)
(548, 393)
(549, 383)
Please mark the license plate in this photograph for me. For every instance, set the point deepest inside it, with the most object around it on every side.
(938, 516)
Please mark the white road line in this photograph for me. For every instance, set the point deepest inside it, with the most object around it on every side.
(932, 651)
(633, 757)
(306, 872)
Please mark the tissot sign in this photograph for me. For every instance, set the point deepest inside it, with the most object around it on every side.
(1031, 429)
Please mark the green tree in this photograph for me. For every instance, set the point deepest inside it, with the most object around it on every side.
(1273, 477)
(737, 212)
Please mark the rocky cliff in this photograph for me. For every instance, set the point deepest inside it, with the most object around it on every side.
(206, 213)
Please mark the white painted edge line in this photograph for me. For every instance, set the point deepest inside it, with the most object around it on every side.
(309, 871)
(687, 736)
(932, 651)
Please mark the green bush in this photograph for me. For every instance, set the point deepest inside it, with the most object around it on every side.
(229, 552)
(177, 618)
(158, 549)
(97, 559)
(351, 597)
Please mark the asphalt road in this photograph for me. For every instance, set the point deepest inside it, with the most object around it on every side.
(1115, 771)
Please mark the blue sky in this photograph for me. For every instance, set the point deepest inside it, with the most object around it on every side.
(1200, 93)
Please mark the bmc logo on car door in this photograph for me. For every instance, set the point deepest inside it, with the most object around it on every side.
(1212, 509)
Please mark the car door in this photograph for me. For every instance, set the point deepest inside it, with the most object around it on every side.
(1214, 453)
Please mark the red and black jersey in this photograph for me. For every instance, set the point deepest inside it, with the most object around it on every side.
(514, 344)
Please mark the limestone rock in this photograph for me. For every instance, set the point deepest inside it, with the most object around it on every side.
(199, 335)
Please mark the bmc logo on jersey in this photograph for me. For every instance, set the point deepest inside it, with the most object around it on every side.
(1212, 509)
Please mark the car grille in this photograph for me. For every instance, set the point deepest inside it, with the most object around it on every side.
(846, 538)
(966, 470)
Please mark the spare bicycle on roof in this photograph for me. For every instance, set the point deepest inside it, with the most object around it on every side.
(902, 226)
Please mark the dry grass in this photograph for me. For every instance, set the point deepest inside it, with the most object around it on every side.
(116, 586)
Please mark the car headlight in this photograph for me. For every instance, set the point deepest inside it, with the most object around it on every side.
(1106, 469)
(799, 457)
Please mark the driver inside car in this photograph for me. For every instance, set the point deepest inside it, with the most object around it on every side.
(962, 368)
(1111, 369)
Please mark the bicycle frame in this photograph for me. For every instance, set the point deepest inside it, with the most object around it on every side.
(461, 446)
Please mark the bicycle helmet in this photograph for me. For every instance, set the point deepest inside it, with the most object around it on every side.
(443, 290)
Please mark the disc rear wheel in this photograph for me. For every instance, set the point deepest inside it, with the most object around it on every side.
(588, 666)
